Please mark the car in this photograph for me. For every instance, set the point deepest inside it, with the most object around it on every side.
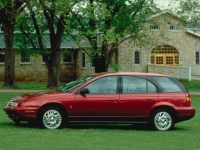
(109, 98)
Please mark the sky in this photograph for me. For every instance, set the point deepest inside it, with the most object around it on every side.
(166, 4)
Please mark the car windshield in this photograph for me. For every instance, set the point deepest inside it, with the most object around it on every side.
(74, 84)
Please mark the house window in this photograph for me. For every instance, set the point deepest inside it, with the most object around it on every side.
(92, 64)
(67, 58)
(165, 55)
(198, 58)
(1, 28)
(83, 60)
(137, 57)
(154, 27)
(2, 56)
(43, 62)
(25, 58)
(174, 27)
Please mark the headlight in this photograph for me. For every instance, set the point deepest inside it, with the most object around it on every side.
(12, 103)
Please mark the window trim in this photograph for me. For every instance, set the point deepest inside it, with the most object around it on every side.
(174, 27)
(154, 27)
(1, 29)
(83, 67)
(72, 59)
(139, 57)
(2, 50)
(196, 58)
(25, 62)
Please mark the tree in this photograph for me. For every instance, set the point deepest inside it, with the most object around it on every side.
(46, 16)
(188, 11)
(104, 23)
(9, 11)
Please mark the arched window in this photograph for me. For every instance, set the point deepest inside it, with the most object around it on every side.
(165, 55)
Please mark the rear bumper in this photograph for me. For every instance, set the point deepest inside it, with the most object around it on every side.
(185, 113)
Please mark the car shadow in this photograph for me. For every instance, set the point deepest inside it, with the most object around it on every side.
(110, 126)
(138, 126)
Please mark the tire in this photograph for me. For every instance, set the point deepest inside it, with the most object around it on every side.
(17, 122)
(162, 119)
(51, 118)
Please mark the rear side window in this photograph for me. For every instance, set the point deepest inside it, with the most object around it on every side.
(137, 85)
(167, 85)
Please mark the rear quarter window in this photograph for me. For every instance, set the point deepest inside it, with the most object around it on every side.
(167, 85)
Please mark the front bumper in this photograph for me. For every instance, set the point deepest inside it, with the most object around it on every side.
(20, 114)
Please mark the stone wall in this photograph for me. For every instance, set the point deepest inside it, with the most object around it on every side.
(186, 43)
(36, 70)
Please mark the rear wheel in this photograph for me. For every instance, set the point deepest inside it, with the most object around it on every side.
(51, 118)
(162, 119)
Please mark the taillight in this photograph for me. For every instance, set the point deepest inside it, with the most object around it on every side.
(188, 101)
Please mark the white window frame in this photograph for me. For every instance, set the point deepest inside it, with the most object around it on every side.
(1, 31)
(83, 61)
(197, 58)
(28, 57)
(42, 60)
(174, 27)
(3, 53)
(137, 57)
(92, 65)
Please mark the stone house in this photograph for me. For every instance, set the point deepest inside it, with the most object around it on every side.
(168, 43)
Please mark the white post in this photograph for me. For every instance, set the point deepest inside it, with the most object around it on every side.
(190, 76)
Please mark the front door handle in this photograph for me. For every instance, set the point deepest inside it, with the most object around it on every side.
(111, 100)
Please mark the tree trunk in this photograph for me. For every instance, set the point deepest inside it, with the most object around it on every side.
(53, 66)
(101, 63)
(9, 71)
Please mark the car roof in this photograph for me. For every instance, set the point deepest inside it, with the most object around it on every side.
(129, 73)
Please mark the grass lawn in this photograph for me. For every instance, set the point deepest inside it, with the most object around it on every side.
(185, 136)
(192, 86)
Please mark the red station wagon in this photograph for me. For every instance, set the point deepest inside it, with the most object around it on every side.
(123, 97)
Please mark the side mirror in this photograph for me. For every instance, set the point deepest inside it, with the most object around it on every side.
(84, 91)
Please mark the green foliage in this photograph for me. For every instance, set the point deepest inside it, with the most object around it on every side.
(99, 137)
(193, 85)
(113, 66)
(189, 11)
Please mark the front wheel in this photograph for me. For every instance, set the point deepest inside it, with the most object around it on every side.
(162, 120)
(51, 118)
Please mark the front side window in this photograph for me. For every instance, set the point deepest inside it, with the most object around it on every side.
(137, 57)
(197, 58)
(137, 85)
(106, 85)
(25, 58)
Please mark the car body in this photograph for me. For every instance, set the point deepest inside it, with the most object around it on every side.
(122, 97)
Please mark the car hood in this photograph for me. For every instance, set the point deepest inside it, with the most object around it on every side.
(35, 94)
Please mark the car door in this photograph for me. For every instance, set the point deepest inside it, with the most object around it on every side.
(137, 97)
(101, 101)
